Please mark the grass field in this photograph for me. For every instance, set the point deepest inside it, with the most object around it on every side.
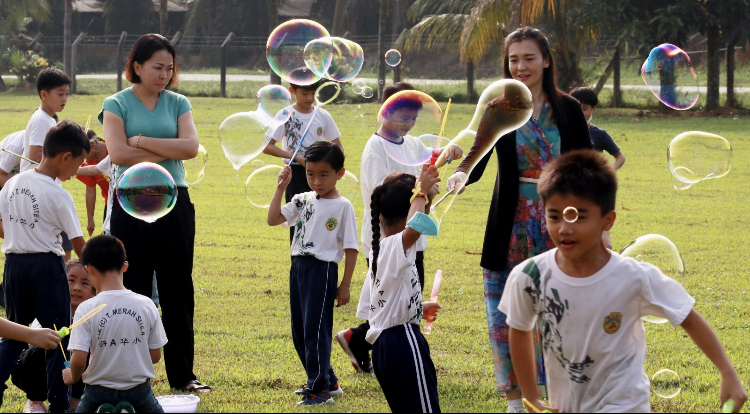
(243, 344)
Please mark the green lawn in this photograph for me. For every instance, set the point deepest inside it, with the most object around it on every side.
(243, 345)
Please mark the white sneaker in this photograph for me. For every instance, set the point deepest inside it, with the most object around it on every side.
(513, 410)
(35, 407)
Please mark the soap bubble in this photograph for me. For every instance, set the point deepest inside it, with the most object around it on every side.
(261, 185)
(660, 252)
(415, 152)
(669, 74)
(285, 51)
(348, 187)
(274, 103)
(258, 164)
(243, 137)
(358, 86)
(318, 55)
(570, 214)
(696, 156)
(327, 93)
(677, 184)
(347, 60)
(146, 191)
(393, 57)
(666, 384)
(195, 168)
(367, 92)
(409, 113)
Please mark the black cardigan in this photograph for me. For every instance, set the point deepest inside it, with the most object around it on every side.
(574, 135)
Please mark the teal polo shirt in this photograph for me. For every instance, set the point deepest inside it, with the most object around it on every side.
(159, 123)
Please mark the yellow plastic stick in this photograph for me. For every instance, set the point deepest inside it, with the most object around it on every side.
(88, 123)
(61, 348)
(532, 407)
(442, 128)
(20, 156)
(66, 331)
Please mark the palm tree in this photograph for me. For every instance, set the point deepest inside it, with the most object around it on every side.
(12, 17)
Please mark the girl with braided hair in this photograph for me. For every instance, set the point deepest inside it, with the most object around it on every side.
(391, 298)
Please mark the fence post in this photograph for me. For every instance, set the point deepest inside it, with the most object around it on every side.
(616, 92)
(176, 38)
(36, 40)
(118, 64)
(224, 64)
(73, 57)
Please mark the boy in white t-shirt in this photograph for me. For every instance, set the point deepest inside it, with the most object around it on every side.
(34, 209)
(325, 231)
(323, 128)
(53, 86)
(10, 165)
(587, 302)
(124, 340)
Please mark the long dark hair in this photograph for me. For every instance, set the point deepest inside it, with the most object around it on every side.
(549, 83)
(391, 201)
(143, 49)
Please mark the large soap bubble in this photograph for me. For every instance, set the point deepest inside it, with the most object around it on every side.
(696, 156)
(347, 59)
(659, 251)
(261, 185)
(285, 51)
(504, 106)
(415, 152)
(195, 168)
(393, 57)
(146, 191)
(411, 113)
(243, 137)
(274, 104)
(669, 74)
(666, 384)
(348, 187)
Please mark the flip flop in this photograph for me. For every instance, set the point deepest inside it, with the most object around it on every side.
(197, 388)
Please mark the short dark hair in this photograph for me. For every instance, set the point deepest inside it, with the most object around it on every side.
(51, 78)
(328, 152)
(67, 136)
(585, 96)
(143, 49)
(585, 174)
(104, 253)
(313, 87)
(397, 87)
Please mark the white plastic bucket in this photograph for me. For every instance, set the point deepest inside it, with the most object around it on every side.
(179, 403)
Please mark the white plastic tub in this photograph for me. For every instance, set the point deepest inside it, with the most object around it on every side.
(179, 403)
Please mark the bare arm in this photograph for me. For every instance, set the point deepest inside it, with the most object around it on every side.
(4, 177)
(78, 244)
(705, 338)
(155, 355)
(35, 153)
(426, 182)
(274, 151)
(184, 147)
(77, 365)
(522, 355)
(41, 338)
(2, 230)
(90, 208)
(337, 142)
(117, 144)
(88, 171)
(619, 160)
(275, 217)
(343, 292)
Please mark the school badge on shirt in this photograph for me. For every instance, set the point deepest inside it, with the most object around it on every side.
(320, 131)
(331, 224)
(612, 322)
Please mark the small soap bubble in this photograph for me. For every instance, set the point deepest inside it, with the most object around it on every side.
(367, 92)
(570, 214)
(670, 76)
(382, 81)
(359, 106)
(461, 291)
(243, 137)
(393, 57)
(666, 384)
(696, 156)
(258, 164)
(146, 191)
(348, 187)
(274, 103)
(327, 93)
(261, 185)
(195, 168)
(358, 86)
(285, 51)
(347, 60)
(658, 251)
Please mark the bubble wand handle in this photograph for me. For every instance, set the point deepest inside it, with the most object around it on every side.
(65, 331)
(436, 148)
(20, 156)
(433, 298)
(728, 406)
(299, 145)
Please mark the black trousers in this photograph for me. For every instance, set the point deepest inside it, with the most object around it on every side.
(403, 366)
(298, 185)
(30, 376)
(357, 340)
(312, 292)
(166, 247)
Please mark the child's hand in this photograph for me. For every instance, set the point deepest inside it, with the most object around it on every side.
(537, 405)
(68, 377)
(458, 179)
(428, 178)
(90, 227)
(454, 152)
(430, 316)
(285, 177)
(732, 389)
(342, 296)
(44, 338)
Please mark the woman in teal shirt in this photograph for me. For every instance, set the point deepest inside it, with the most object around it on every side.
(149, 123)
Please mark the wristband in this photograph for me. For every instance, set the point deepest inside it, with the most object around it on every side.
(418, 193)
(423, 224)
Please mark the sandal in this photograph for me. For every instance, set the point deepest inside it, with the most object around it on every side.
(197, 387)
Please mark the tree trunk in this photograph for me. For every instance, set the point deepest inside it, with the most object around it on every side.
(67, 46)
(382, 32)
(3, 88)
(515, 15)
(712, 84)
(400, 8)
(273, 21)
(470, 93)
(338, 17)
(616, 91)
(731, 98)
(163, 13)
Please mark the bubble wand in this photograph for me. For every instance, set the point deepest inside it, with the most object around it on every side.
(433, 298)
(533, 408)
(20, 156)
(66, 363)
(65, 331)
(88, 123)
(728, 406)
(315, 112)
(436, 148)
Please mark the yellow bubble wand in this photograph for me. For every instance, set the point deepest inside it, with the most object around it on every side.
(20, 156)
(88, 123)
(65, 331)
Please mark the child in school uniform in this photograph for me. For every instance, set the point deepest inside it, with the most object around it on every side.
(391, 298)
(123, 341)
(34, 209)
(587, 302)
(325, 231)
(10, 165)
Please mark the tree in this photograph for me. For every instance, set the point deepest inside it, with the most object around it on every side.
(67, 45)
(15, 15)
(163, 13)
(132, 16)
(381, 47)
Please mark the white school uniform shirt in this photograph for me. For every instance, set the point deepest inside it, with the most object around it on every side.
(394, 296)
(118, 339)
(106, 167)
(375, 166)
(323, 228)
(323, 129)
(36, 131)
(13, 143)
(35, 209)
(594, 341)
